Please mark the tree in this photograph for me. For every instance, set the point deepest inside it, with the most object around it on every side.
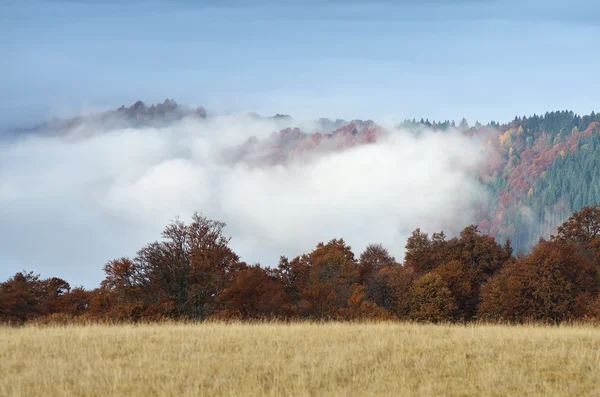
(121, 295)
(293, 277)
(582, 227)
(482, 254)
(394, 284)
(372, 260)
(332, 270)
(431, 300)
(418, 254)
(75, 302)
(256, 293)
(51, 294)
(454, 275)
(552, 284)
(472, 259)
(19, 298)
(463, 264)
(25, 296)
(359, 307)
(180, 276)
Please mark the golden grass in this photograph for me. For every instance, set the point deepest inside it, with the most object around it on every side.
(299, 359)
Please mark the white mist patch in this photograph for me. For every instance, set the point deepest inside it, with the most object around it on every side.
(70, 204)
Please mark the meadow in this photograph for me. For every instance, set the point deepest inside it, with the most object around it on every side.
(299, 359)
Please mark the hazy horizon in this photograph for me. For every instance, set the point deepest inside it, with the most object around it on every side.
(385, 61)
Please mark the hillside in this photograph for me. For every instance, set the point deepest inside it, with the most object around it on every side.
(135, 116)
(537, 170)
(543, 169)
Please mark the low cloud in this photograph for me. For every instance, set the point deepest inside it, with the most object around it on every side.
(70, 203)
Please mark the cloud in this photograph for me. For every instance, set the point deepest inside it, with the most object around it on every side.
(70, 203)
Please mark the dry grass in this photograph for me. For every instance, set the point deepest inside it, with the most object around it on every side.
(299, 360)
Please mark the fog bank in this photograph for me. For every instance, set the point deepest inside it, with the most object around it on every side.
(69, 204)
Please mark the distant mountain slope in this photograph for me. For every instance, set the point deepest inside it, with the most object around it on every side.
(136, 115)
(538, 169)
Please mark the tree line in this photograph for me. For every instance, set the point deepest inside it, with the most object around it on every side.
(193, 274)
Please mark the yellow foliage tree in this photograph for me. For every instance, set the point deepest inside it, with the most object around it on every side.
(506, 136)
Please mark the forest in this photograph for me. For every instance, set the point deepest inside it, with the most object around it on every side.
(538, 169)
(192, 274)
(510, 265)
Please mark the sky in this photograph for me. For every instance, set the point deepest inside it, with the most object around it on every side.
(70, 204)
(480, 59)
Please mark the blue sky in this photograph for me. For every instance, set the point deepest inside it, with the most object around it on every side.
(348, 59)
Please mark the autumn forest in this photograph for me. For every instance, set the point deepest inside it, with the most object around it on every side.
(511, 265)
(192, 274)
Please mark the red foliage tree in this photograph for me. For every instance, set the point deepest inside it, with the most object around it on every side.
(25, 297)
(180, 276)
(552, 284)
(332, 272)
(256, 293)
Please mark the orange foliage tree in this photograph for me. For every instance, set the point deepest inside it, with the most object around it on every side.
(255, 293)
(193, 274)
(25, 296)
(431, 300)
(180, 276)
(554, 283)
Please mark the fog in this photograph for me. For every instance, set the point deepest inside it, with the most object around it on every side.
(70, 203)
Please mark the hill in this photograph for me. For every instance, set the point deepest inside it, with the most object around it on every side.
(537, 170)
(135, 116)
(542, 169)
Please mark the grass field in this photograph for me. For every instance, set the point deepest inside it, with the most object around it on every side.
(299, 360)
